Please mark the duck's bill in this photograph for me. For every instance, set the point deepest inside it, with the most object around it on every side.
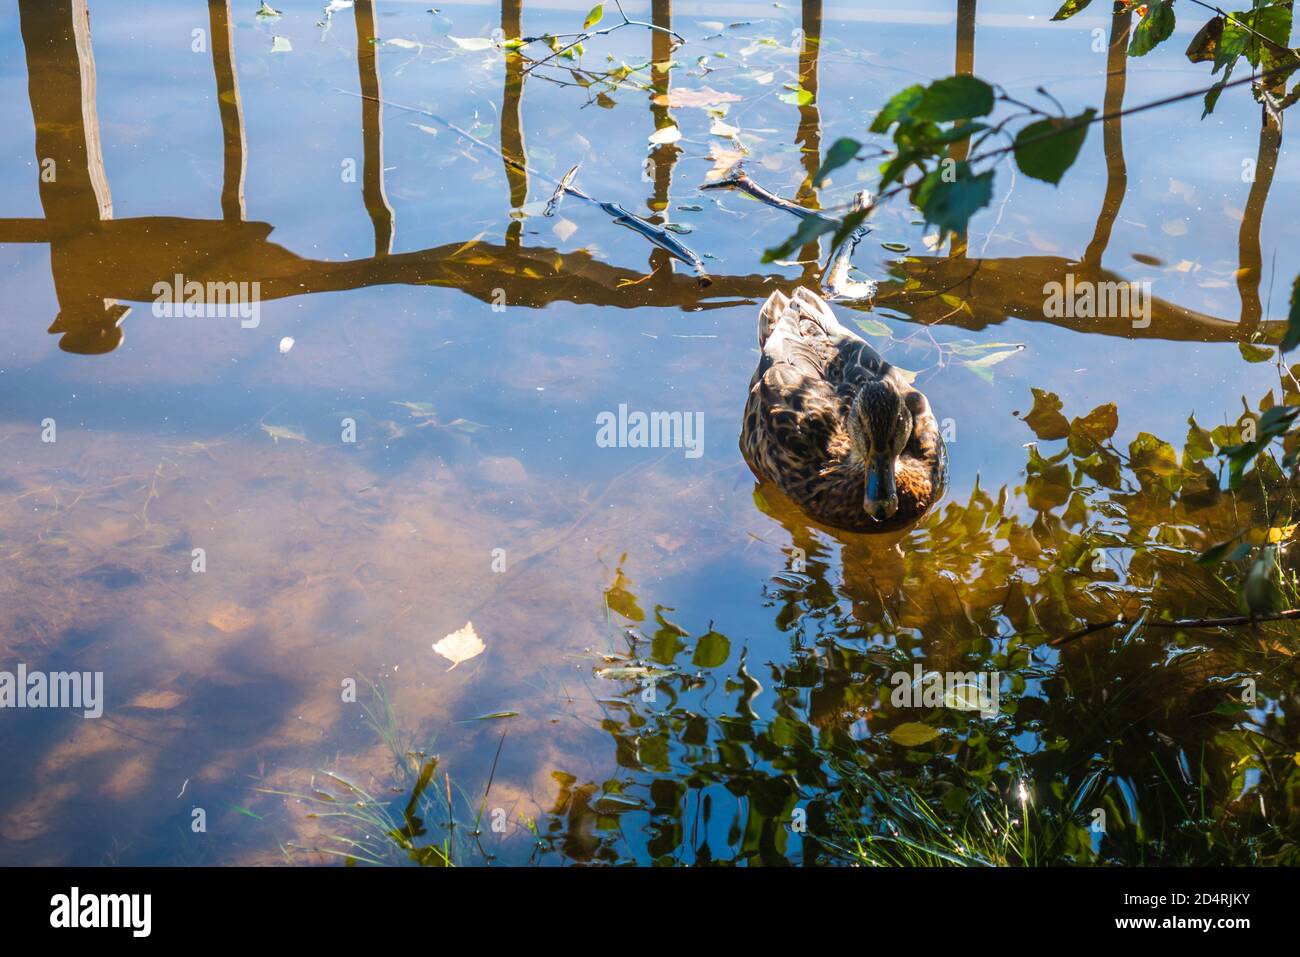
(881, 499)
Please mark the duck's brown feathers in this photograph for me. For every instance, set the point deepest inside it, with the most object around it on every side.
(794, 434)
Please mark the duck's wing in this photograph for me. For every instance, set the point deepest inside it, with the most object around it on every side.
(807, 334)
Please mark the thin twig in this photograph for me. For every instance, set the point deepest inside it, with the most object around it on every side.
(621, 216)
(1231, 621)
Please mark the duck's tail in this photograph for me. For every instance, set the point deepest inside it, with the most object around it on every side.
(804, 307)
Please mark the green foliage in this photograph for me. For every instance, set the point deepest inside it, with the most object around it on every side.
(1049, 147)
(1156, 27)
(1070, 8)
(1146, 723)
(841, 151)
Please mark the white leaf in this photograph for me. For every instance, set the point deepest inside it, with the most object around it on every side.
(460, 645)
(336, 5)
(281, 45)
(402, 44)
(564, 229)
(719, 128)
(286, 344)
(473, 44)
(669, 134)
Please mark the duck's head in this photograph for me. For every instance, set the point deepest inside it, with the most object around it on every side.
(879, 427)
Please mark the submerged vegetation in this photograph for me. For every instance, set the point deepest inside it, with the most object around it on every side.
(1088, 657)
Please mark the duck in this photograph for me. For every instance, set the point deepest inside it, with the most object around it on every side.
(840, 431)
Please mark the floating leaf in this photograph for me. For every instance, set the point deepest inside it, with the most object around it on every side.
(874, 327)
(711, 650)
(495, 715)
(286, 344)
(983, 364)
(278, 432)
(701, 98)
(267, 11)
(281, 45)
(156, 700)
(797, 96)
(461, 645)
(912, 734)
(665, 135)
(473, 44)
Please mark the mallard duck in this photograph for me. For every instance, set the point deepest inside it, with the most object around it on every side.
(835, 426)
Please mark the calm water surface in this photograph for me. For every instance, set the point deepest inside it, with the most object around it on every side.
(381, 241)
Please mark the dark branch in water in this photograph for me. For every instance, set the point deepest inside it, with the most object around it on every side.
(1231, 621)
(835, 277)
(740, 181)
(835, 280)
(655, 234)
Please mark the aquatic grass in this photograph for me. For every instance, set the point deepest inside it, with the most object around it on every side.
(418, 825)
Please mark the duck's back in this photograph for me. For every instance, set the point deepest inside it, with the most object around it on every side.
(794, 435)
(810, 369)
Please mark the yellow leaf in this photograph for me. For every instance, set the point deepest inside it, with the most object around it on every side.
(912, 733)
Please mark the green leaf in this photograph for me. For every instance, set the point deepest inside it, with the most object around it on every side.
(983, 364)
(594, 17)
(1253, 353)
(1154, 29)
(898, 108)
(1047, 148)
(955, 98)
(841, 151)
(1199, 444)
(951, 195)
(809, 229)
(711, 650)
(874, 327)
(911, 734)
(1261, 590)
(797, 96)
(1292, 337)
(1070, 8)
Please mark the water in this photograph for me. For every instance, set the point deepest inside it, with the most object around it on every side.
(476, 491)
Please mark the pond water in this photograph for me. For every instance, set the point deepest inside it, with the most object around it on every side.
(676, 666)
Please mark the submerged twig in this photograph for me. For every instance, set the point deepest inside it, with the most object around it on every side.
(655, 234)
(1230, 621)
(835, 280)
(741, 182)
(835, 277)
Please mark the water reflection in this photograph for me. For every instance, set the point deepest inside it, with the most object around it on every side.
(98, 262)
(329, 564)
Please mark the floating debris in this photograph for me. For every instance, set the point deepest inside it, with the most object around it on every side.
(461, 645)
